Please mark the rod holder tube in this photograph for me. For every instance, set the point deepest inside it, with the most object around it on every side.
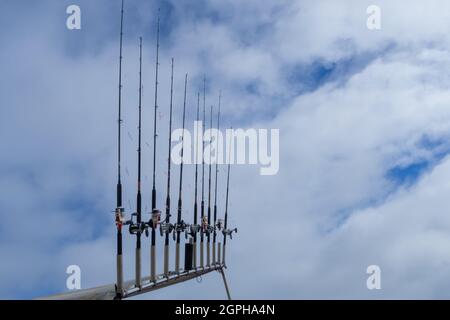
(153, 263)
(201, 255)
(194, 256)
(166, 261)
(208, 254)
(223, 256)
(138, 268)
(218, 253)
(119, 289)
(177, 258)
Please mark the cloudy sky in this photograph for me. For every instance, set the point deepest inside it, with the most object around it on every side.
(364, 119)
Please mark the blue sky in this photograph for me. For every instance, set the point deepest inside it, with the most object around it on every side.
(363, 117)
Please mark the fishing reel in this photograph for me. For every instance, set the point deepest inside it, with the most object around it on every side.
(229, 232)
(119, 216)
(219, 224)
(155, 218)
(206, 227)
(209, 230)
(181, 227)
(135, 228)
(166, 228)
(194, 229)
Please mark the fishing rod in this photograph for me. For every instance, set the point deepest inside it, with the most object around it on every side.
(202, 204)
(195, 227)
(227, 232)
(119, 212)
(156, 214)
(138, 227)
(181, 225)
(208, 230)
(166, 227)
(216, 226)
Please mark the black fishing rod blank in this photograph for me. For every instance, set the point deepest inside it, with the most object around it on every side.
(202, 205)
(180, 226)
(156, 214)
(195, 227)
(227, 232)
(139, 197)
(208, 230)
(215, 187)
(166, 227)
(119, 212)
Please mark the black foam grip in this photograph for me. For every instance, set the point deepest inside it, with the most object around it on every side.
(119, 195)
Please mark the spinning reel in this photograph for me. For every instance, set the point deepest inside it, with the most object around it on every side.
(229, 232)
(181, 227)
(135, 228)
(206, 227)
(219, 224)
(166, 228)
(155, 218)
(194, 229)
